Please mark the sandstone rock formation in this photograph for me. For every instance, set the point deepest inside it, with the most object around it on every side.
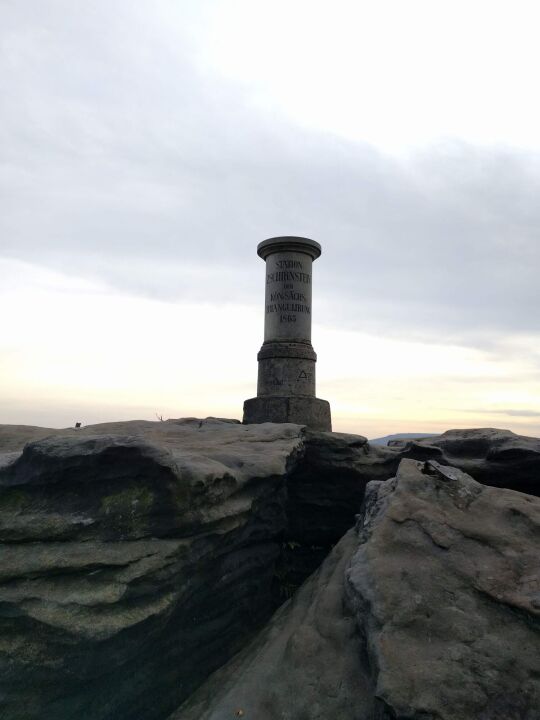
(494, 457)
(138, 558)
(305, 665)
(445, 586)
(431, 610)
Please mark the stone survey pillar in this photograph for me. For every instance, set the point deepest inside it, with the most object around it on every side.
(286, 381)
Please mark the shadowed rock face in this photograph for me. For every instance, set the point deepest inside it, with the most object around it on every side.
(430, 611)
(305, 665)
(324, 493)
(494, 457)
(137, 558)
(134, 564)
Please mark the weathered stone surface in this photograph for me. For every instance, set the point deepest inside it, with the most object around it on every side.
(138, 557)
(286, 369)
(310, 411)
(324, 494)
(494, 457)
(135, 564)
(446, 587)
(430, 612)
(14, 437)
(305, 665)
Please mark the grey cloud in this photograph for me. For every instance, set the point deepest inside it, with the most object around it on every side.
(126, 161)
(509, 412)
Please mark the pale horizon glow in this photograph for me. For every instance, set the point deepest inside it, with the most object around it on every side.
(104, 356)
(146, 148)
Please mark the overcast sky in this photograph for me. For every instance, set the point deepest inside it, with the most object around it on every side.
(147, 147)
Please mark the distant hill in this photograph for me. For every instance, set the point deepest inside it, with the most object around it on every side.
(401, 436)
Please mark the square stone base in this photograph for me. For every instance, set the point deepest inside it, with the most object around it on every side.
(310, 411)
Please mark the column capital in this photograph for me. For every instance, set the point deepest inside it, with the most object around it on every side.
(289, 243)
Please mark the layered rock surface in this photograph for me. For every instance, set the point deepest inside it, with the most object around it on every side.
(446, 587)
(430, 611)
(135, 563)
(492, 456)
(139, 557)
(305, 665)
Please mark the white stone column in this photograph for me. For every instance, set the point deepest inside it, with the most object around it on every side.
(286, 378)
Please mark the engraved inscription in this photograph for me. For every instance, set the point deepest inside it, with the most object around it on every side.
(287, 264)
(287, 301)
(286, 276)
(288, 307)
(288, 297)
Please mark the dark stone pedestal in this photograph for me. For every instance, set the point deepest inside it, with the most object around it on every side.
(310, 411)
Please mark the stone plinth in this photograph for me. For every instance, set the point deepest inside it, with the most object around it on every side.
(310, 411)
(286, 378)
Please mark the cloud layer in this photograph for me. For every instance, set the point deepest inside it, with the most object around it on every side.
(126, 160)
